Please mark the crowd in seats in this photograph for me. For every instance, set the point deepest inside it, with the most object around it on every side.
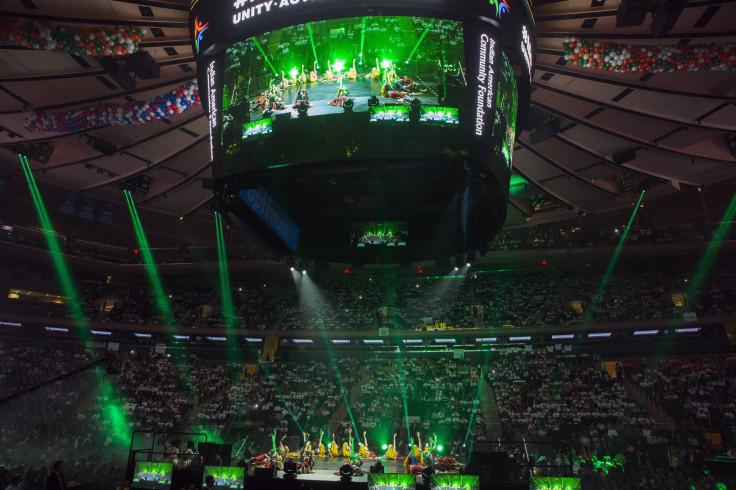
(284, 396)
(347, 303)
(522, 299)
(419, 300)
(699, 391)
(574, 237)
(562, 396)
(441, 392)
(630, 293)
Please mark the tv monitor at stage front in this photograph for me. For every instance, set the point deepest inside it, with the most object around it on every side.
(328, 114)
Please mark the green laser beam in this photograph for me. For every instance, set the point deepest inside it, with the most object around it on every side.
(111, 408)
(265, 57)
(421, 38)
(162, 303)
(476, 402)
(706, 262)
(311, 40)
(611, 264)
(362, 35)
(402, 384)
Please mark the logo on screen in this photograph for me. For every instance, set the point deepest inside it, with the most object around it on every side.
(502, 7)
(199, 28)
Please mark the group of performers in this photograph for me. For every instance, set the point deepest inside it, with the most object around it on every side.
(393, 87)
(419, 456)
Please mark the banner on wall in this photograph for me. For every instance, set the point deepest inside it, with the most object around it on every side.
(3, 180)
(87, 208)
(107, 213)
(68, 203)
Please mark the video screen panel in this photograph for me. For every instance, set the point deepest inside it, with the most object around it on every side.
(226, 476)
(368, 66)
(152, 475)
(379, 233)
(504, 124)
(391, 481)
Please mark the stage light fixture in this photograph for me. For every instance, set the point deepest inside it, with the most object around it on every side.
(291, 268)
(346, 472)
(304, 271)
(290, 469)
(468, 264)
(303, 108)
(427, 473)
(348, 105)
(377, 468)
(373, 101)
(384, 447)
(415, 109)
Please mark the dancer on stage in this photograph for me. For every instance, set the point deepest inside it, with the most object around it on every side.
(320, 447)
(302, 96)
(333, 449)
(428, 449)
(265, 460)
(348, 450)
(306, 458)
(363, 450)
(391, 451)
(414, 464)
(342, 96)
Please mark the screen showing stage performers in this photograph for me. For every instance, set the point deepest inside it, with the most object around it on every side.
(226, 476)
(152, 475)
(385, 233)
(504, 124)
(345, 89)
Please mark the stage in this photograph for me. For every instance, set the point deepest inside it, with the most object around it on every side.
(360, 90)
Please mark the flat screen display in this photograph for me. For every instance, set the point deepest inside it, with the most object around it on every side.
(379, 233)
(226, 476)
(152, 475)
(344, 89)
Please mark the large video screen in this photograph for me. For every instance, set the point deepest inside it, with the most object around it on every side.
(225, 476)
(344, 89)
(386, 233)
(152, 475)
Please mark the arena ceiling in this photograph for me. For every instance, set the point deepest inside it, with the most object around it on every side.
(675, 123)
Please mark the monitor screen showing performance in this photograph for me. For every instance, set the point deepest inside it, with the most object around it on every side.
(226, 476)
(385, 233)
(152, 475)
(332, 89)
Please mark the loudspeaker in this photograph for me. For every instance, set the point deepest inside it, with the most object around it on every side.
(665, 17)
(118, 73)
(623, 156)
(631, 13)
(144, 66)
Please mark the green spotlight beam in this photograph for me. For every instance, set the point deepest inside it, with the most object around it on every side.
(265, 57)
(706, 262)
(402, 384)
(111, 409)
(162, 303)
(62, 270)
(362, 35)
(231, 322)
(611, 264)
(339, 382)
(421, 38)
(311, 40)
(476, 402)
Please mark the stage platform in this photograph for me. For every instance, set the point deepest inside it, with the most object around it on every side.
(360, 90)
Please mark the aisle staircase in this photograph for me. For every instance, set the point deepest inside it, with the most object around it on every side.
(489, 409)
(341, 413)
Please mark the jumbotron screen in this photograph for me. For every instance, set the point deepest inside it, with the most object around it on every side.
(328, 114)
(285, 92)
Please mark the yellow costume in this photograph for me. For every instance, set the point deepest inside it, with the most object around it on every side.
(363, 451)
(333, 449)
(345, 450)
(321, 450)
(390, 452)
